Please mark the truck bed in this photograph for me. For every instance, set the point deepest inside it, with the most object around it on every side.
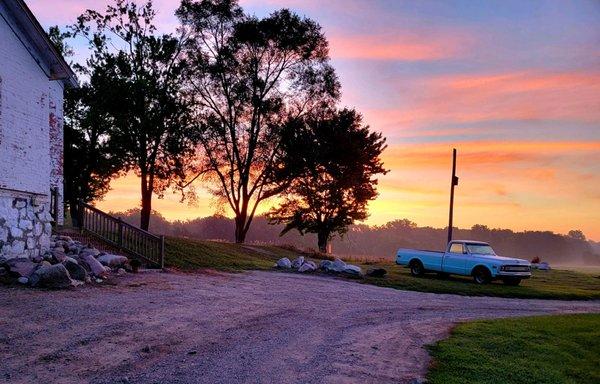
(432, 260)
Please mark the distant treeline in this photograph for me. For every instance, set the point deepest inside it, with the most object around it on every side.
(383, 241)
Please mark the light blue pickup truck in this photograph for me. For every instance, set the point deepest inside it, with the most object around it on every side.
(467, 258)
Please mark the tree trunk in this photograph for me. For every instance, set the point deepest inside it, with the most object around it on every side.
(323, 239)
(74, 211)
(240, 230)
(146, 203)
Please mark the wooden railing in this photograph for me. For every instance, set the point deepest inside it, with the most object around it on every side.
(129, 238)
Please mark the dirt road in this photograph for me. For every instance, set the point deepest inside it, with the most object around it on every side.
(256, 327)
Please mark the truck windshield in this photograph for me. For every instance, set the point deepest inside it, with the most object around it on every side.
(481, 249)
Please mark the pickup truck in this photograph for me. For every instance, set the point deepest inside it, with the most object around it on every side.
(466, 258)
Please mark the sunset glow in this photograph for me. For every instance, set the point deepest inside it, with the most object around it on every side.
(514, 86)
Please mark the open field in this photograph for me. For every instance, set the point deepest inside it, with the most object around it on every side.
(187, 254)
(542, 349)
(252, 327)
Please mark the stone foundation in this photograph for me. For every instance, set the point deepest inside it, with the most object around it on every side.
(25, 224)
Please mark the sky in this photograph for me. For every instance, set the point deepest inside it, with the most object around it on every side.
(514, 86)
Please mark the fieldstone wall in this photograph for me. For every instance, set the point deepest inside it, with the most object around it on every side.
(25, 225)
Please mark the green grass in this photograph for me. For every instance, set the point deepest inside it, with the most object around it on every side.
(186, 254)
(553, 284)
(543, 349)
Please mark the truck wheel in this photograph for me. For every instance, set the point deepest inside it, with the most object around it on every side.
(481, 275)
(513, 281)
(416, 268)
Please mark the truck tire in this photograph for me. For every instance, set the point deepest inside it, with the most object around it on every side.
(481, 275)
(416, 268)
(512, 281)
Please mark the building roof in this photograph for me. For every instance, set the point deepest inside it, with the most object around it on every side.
(38, 39)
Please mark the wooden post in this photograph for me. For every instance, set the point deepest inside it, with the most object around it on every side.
(453, 183)
(120, 224)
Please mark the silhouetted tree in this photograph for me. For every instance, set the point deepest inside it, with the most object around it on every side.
(89, 159)
(577, 234)
(140, 89)
(332, 161)
(248, 76)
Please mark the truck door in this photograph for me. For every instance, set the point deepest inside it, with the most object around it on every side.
(455, 259)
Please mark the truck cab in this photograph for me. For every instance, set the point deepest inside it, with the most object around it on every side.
(466, 258)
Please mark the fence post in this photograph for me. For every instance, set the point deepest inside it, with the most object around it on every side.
(162, 252)
(121, 240)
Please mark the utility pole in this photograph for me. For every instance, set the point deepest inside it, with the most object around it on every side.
(453, 183)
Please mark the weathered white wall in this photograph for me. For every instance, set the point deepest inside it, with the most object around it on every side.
(24, 128)
(31, 148)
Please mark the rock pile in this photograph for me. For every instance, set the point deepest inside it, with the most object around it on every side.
(68, 263)
(337, 266)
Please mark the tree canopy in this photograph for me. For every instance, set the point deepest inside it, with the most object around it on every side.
(331, 161)
(248, 77)
(137, 75)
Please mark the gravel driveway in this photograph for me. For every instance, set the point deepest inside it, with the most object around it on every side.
(256, 327)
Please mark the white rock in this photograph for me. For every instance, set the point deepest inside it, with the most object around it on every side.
(23, 280)
(121, 272)
(297, 263)
(284, 263)
(308, 266)
(338, 265)
(113, 261)
(354, 270)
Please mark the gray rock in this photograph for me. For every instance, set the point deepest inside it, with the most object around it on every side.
(325, 265)
(89, 251)
(58, 254)
(96, 268)
(23, 280)
(376, 272)
(21, 267)
(121, 272)
(113, 261)
(76, 271)
(297, 263)
(53, 276)
(308, 266)
(284, 262)
(338, 265)
(353, 270)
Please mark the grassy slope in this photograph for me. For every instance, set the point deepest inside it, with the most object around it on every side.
(194, 254)
(544, 349)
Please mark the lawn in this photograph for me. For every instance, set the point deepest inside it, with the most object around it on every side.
(187, 254)
(542, 349)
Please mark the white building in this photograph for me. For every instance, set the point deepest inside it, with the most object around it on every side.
(33, 76)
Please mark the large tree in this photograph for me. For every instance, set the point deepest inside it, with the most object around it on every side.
(90, 161)
(140, 91)
(248, 76)
(332, 160)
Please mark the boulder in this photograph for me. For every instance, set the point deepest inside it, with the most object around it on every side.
(89, 251)
(121, 272)
(284, 263)
(23, 280)
(297, 263)
(113, 261)
(352, 270)
(58, 254)
(20, 267)
(376, 272)
(54, 276)
(76, 271)
(326, 265)
(95, 267)
(308, 266)
(338, 265)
